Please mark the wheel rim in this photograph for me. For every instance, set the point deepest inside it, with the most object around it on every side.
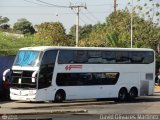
(59, 97)
(133, 93)
(122, 95)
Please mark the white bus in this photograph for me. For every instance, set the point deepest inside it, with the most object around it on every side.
(65, 73)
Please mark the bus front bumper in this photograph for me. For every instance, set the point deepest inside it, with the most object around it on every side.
(24, 95)
(23, 98)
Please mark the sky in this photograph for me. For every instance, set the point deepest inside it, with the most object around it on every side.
(38, 12)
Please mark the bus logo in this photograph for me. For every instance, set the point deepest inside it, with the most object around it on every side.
(69, 67)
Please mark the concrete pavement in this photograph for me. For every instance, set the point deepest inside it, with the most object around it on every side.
(19, 107)
(32, 108)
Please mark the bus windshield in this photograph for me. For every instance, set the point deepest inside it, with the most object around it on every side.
(27, 58)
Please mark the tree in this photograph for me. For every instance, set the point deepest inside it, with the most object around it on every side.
(3, 24)
(52, 31)
(84, 31)
(95, 36)
(23, 26)
(116, 32)
(72, 31)
(113, 40)
(5, 27)
(3, 20)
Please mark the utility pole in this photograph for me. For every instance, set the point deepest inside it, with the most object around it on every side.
(115, 6)
(132, 24)
(77, 10)
(158, 47)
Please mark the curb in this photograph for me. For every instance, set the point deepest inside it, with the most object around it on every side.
(48, 112)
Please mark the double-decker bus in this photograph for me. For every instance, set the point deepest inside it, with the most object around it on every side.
(48, 73)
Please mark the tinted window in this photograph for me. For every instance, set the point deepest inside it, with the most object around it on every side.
(148, 57)
(136, 57)
(105, 57)
(65, 56)
(80, 56)
(109, 57)
(78, 79)
(49, 57)
(94, 57)
(46, 69)
(122, 57)
(141, 57)
(70, 56)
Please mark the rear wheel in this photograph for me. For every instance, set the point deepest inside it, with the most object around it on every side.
(60, 96)
(122, 95)
(133, 93)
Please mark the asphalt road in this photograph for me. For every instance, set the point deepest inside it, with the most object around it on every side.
(61, 117)
(142, 108)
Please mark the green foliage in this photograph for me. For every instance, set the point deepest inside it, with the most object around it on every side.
(10, 45)
(96, 36)
(113, 40)
(23, 26)
(84, 31)
(3, 24)
(72, 31)
(3, 20)
(116, 32)
(5, 27)
(53, 32)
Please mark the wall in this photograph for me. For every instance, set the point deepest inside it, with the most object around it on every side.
(5, 63)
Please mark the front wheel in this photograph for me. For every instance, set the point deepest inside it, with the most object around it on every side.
(60, 96)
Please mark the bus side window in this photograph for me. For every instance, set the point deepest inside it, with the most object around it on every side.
(148, 57)
(109, 57)
(122, 57)
(46, 69)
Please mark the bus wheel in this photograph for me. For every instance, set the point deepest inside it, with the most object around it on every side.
(60, 96)
(133, 93)
(122, 95)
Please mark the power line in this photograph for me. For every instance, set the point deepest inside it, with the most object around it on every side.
(42, 5)
(53, 5)
(92, 15)
(61, 13)
(34, 13)
(89, 18)
(94, 5)
(83, 21)
(79, 18)
(33, 2)
(27, 6)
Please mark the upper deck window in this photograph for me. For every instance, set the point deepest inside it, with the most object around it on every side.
(105, 57)
(27, 58)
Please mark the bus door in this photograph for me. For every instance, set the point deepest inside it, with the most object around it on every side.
(46, 73)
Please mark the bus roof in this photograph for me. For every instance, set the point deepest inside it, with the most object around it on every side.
(44, 48)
